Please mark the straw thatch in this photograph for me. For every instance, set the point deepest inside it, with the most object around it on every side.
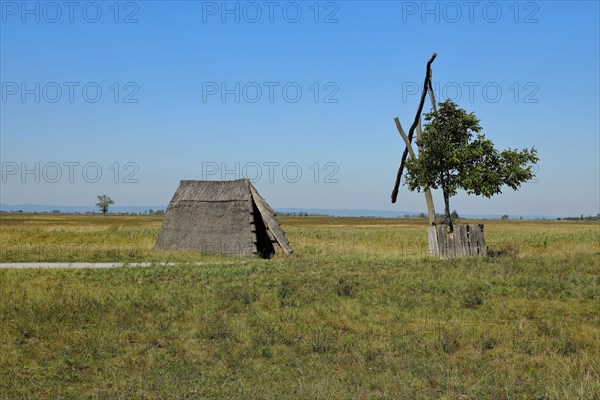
(226, 217)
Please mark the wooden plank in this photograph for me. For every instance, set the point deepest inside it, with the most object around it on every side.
(274, 242)
(482, 246)
(462, 241)
(472, 237)
(270, 221)
(465, 241)
(252, 225)
(450, 242)
(449, 250)
(472, 241)
(479, 240)
(464, 248)
(442, 241)
(433, 241)
(437, 245)
(475, 240)
(457, 242)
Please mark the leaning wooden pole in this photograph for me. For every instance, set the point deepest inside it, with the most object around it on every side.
(411, 131)
(411, 152)
(409, 148)
(428, 196)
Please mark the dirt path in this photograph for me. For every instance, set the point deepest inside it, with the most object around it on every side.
(79, 265)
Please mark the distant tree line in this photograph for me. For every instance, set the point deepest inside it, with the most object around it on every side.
(582, 218)
(155, 212)
(301, 214)
(147, 212)
(454, 215)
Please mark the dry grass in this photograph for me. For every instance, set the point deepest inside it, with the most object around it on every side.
(85, 238)
(358, 311)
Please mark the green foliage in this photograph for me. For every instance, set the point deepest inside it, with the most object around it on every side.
(103, 203)
(455, 155)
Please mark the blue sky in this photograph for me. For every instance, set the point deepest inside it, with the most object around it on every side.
(193, 90)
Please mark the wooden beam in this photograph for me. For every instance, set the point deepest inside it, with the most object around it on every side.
(428, 196)
(406, 140)
(432, 97)
(272, 225)
(413, 127)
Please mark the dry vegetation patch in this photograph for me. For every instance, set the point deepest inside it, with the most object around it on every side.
(356, 312)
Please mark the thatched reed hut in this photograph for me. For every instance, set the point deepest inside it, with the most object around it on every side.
(225, 217)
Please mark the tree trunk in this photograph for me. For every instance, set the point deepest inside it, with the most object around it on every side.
(447, 211)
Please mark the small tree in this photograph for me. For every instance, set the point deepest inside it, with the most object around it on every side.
(451, 158)
(504, 217)
(103, 203)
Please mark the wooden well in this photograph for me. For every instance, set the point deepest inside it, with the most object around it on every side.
(466, 241)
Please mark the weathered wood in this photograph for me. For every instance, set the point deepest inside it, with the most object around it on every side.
(274, 230)
(456, 252)
(405, 138)
(472, 239)
(465, 241)
(411, 152)
(433, 242)
(220, 217)
(428, 196)
(433, 103)
(441, 235)
(482, 248)
(449, 243)
(411, 131)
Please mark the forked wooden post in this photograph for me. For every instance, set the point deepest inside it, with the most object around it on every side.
(411, 131)
(411, 152)
(465, 240)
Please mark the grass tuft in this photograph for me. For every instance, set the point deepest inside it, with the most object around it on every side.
(361, 312)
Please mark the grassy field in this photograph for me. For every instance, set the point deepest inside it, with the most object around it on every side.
(358, 311)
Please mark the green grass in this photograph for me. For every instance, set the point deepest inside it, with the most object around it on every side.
(358, 311)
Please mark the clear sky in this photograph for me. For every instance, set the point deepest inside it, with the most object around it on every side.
(151, 92)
